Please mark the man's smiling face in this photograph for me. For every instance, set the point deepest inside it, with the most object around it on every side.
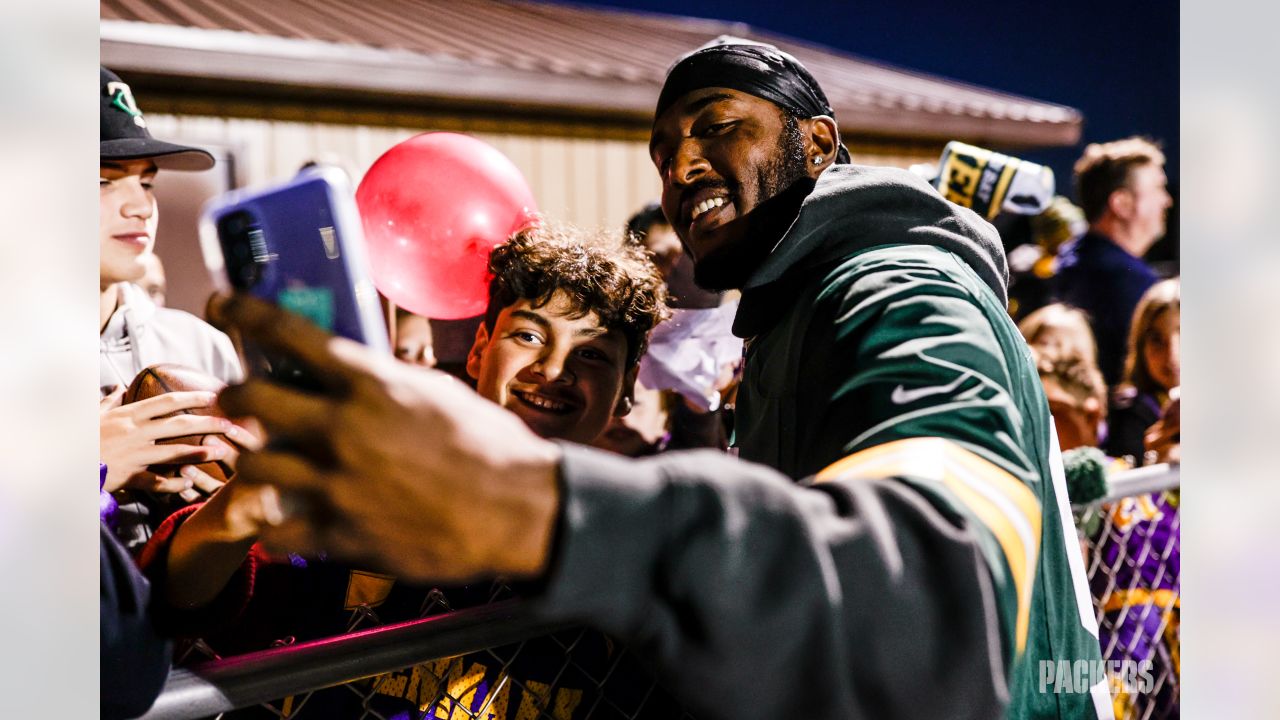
(720, 153)
(563, 373)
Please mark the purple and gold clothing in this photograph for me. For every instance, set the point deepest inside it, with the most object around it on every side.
(1138, 586)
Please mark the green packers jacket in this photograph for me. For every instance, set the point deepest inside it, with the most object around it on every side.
(897, 543)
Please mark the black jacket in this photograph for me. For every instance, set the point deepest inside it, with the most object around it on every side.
(134, 657)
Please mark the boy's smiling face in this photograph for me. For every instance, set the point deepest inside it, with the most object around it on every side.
(565, 376)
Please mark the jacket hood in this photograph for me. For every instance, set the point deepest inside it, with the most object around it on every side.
(854, 208)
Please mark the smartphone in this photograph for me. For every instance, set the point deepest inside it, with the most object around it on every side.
(298, 245)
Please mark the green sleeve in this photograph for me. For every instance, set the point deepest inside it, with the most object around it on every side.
(930, 362)
(757, 597)
(926, 360)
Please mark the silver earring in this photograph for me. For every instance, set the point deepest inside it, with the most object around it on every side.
(817, 159)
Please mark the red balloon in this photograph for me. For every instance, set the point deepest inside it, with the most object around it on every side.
(432, 208)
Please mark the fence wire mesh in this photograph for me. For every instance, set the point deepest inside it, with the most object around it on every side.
(578, 673)
(1131, 549)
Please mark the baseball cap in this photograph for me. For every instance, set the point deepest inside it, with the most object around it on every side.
(124, 134)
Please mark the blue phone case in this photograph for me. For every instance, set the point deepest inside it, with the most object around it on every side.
(306, 252)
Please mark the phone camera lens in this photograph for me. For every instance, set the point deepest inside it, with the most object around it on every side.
(237, 232)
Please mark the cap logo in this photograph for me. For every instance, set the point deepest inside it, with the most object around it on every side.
(122, 97)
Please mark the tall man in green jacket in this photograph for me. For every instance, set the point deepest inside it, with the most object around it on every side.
(908, 550)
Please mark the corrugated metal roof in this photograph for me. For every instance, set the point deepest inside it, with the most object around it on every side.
(532, 54)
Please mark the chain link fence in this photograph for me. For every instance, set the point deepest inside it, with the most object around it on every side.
(571, 673)
(1131, 547)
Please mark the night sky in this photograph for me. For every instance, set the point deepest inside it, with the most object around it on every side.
(1117, 62)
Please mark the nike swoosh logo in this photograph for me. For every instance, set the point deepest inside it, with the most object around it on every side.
(903, 396)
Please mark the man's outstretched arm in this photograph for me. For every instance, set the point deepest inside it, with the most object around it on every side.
(759, 598)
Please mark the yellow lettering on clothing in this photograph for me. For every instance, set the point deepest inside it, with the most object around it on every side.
(961, 174)
(460, 690)
(566, 702)
(429, 679)
(499, 700)
(462, 687)
(390, 684)
(1132, 510)
(533, 700)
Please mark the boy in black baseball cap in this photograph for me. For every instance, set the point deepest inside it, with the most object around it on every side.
(134, 332)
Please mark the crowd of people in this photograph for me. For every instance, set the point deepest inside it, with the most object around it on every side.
(871, 507)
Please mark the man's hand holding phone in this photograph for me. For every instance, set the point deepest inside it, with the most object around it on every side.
(389, 463)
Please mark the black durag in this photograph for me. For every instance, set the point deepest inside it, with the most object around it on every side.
(751, 67)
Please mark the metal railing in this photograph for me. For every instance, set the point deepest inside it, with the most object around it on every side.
(217, 686)
(1140, 481)
(477, 652)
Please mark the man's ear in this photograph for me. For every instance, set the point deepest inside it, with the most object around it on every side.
(1120, 203)
(628, 397)
(822, 143)
(477, 351)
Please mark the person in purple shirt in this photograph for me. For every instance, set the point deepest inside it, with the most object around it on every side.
(1121, 186)
(1138, 586)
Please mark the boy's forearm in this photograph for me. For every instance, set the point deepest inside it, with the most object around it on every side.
(206, 552)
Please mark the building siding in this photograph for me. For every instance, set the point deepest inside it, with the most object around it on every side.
(587, 181)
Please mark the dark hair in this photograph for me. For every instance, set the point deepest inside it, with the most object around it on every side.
(791, 144)
(1105, 167)
(639, 225)
(599, 272)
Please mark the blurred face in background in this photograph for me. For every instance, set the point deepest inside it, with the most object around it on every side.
(1162, 350)
(127, 219)
(643, 430)
(677, 269)
(153, 280)
(1151, 201)
(414, 342)
(665, 247)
